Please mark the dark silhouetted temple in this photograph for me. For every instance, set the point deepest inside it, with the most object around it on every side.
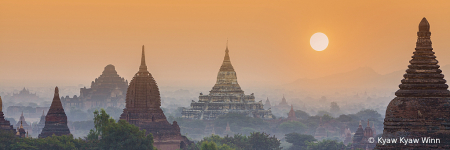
(4, 124)
(56, 119)
(226, 96)
(142, 109)
(422, 106)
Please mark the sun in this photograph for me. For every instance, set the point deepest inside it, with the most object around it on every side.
(319, 41)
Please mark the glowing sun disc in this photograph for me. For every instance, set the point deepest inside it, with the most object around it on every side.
(319, 41)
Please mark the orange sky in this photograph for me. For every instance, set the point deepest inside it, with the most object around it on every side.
(46, 43)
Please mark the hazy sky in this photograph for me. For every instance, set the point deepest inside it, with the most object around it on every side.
(46, 43)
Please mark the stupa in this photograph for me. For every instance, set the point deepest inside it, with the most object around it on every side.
(226, 96)
(291, 115)
(321, 131)
(56, 119)
(142, 109)
(37, 128)
(4, 124)
(25, 124)
(267, 105)
(422, 106)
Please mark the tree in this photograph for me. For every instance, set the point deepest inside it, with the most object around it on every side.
(301, 114)
(334, 108)
(292, 126)
(326, 145)
(121, 135)
(344, 118)
(368, 114)
(262, 141)
(208, 146)
(299, 141)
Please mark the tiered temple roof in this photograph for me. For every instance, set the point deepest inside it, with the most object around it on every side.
(226, 96)
(56, 119)
(108, 90)
(142, 109)
(4, 124)
(421, 108)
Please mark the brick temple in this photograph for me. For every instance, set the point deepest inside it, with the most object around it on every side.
(421, 108)
(143, 109)
(226, 96)
(4, 124)
(56, 119)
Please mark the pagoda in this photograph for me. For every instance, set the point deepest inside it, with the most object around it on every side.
(56, 119)
(267, 105)
(321, 131)
(421, 107)
(143, 109)
(362, 138)
(226, 96)
(25, 124)
(291, 115)
(37, 128)
(4, 124)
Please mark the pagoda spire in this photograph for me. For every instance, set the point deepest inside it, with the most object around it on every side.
(143, 67)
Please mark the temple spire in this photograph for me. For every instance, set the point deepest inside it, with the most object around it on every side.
(227, 56)
(143, 67)
(1, 104)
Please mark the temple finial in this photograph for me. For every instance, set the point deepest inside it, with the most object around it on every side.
(43, 113)
(368, 125)
(21, 126)
(56, 92)
(424, 25)
(143, 67)
(227, 44)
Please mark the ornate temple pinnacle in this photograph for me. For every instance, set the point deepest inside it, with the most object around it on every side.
(143, 67)
(424, 25)
(423, 36)
(56, 92)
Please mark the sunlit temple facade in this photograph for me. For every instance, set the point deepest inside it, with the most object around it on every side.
(226, 96)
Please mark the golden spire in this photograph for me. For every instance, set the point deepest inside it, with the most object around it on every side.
(21, 127)
(18, 134)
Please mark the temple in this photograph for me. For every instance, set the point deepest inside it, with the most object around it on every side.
(421, 106)
(267, 105)
(361, 137)
(25, 124)
(321, 131)
(143, 109)
(56, 119)
(37, 128)
(108, 90)
(4, 124)
(24, 96)
(291, 115)
(226, 96)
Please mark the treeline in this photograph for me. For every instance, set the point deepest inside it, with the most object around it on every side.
(107, 134)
